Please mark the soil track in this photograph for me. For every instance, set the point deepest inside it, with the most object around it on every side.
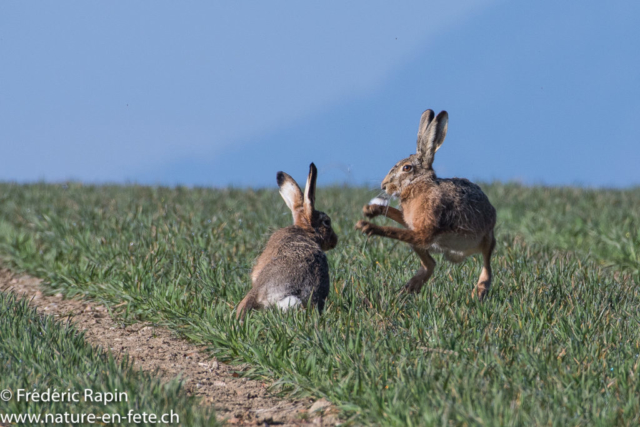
(237, 400)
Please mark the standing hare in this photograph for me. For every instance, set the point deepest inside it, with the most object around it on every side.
(293, 269)
(445, 215)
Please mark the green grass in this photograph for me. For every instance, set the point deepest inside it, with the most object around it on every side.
(40, 354)
(556, 344)
(604, 224)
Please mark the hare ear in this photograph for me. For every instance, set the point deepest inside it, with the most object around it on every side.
(291, 194)
(425, 121)
(310, 192)
(433, 138)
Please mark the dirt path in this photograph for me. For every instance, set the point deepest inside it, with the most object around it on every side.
(237, 400)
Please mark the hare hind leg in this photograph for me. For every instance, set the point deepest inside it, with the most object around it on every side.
(421, 277)
(484, 283)
(249, 302)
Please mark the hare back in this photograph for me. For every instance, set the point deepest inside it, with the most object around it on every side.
(450, 205)
(292, 265)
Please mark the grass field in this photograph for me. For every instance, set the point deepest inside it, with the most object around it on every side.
(40, 354)
(557, 343)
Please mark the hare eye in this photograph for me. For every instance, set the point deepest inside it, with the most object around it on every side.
(327, 222)
(407, 168)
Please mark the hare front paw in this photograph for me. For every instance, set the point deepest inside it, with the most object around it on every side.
(371, 211)
(366, 227)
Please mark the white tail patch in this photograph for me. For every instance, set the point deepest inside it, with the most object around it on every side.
(379, 201)
(289, 302)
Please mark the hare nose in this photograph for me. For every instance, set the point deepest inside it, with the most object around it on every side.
(383, 186)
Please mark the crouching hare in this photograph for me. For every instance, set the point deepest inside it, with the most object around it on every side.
(444, 215)
(293, 270)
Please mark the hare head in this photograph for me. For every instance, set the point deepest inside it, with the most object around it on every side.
(431, 134)
(302, 207)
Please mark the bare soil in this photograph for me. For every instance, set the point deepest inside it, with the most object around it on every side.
(237, 400)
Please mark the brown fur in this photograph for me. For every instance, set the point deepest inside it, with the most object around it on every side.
(248, 303)
(293, 263)
(452, 216)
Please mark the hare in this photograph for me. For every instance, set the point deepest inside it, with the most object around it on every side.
(293, 270)
(450, 216)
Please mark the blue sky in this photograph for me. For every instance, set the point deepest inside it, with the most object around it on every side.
(197, 93)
